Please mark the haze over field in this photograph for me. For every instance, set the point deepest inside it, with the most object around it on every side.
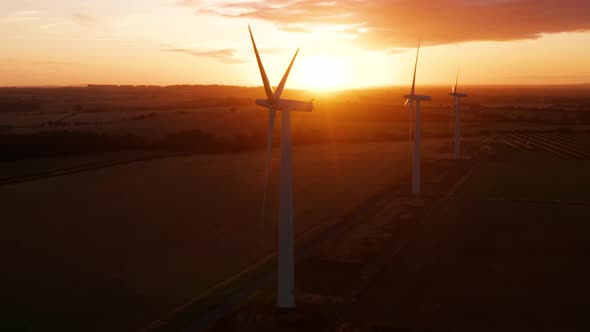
(344, 43)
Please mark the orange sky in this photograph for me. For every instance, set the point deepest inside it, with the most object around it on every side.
(343, 44)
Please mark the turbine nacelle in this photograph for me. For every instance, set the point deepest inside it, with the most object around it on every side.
(458, 94)
(412, 96)
(456, 114)
(418, 97)
(454, 92)
(286, 105)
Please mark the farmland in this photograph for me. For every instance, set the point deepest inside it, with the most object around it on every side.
(503, 250)
(122, 203)
(146, 236)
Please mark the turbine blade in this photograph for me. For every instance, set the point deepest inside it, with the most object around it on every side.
(411, 128)
(457, 79)
(279, 90)
(453, 116)
(416, 67)
(265, 81)
(271, 124)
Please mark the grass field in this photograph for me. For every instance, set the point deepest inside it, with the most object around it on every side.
(116, 248)
(507, 251)
(551, 179)
(113, 249)
(487, 266)
(22, 168)
(514, 264)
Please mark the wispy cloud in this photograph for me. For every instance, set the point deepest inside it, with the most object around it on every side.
(384, 24)
(23, 15)
(36, 62)
(84, 20)
(226, 55)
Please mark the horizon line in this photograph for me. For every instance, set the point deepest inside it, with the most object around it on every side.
(433, 85)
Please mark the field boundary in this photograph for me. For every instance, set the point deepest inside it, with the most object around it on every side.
(83, 168)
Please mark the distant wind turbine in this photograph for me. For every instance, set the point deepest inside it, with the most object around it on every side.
(456, 113)
(412, 99)
(274, 103)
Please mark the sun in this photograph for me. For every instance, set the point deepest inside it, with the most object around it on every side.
(323, 72)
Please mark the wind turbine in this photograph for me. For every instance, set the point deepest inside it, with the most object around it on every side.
(274, 103)
(412, 99)
(456, 112)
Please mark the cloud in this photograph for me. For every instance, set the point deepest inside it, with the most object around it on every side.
(35, 62)
(84, 20)
(226, 55)
(385, 24)
(22, 15)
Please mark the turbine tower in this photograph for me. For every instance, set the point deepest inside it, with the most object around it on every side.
(456, 112)
(413, 100)
(274, 103)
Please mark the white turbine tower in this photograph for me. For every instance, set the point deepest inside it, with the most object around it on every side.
(412, 99)
(274, 103)
(456, 113)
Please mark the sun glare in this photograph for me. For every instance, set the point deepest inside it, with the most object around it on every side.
(323, 72)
